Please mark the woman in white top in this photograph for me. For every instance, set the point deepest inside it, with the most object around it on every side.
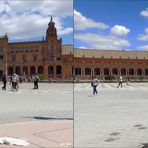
(120, 82)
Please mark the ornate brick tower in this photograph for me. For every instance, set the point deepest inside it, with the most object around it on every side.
(53, 51)
(3, 55)
(51, 31)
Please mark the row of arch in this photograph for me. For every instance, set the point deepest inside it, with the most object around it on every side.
(107, 71)
(33, 69)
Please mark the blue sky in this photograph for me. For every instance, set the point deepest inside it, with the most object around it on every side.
(27, 20)
(111, 24)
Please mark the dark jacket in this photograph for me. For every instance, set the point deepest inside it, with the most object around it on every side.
(4, 79)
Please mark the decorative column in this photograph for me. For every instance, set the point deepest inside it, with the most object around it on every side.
(102, 72)
(135, 72)
(143, 72)
(119, 72)
(92, 72)
(127, 72)
(110, 71)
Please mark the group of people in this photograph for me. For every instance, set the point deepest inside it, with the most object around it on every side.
(15, 80)
(95, 82)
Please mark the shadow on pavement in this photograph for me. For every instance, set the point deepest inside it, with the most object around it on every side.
(48, 118)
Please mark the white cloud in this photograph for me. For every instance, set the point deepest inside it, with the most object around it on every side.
(83, 47)
(144, 12)
(66, 31)
(119, 30)
(143, 48)
(146, 30)
(29, 19)
(97, 41)
(82, 23)
(143, 37)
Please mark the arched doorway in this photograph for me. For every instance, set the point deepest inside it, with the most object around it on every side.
(115, 71)
(1, 74)
(77, 71)
(131, 71)
(106, 71)
(59, 71)
(87, 71)
(50, 71)
(25, 70)
(32, 70)
(18, 70)
(10, 71)
(40, 69)
(139, 71)
(123, 71)
(146, 71)
(97, 71)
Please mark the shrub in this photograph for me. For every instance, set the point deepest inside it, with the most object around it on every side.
(109, 77)
(141, 78)
(42, 77)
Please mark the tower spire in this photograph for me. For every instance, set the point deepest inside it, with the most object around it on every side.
(51, 31)
(51, 17)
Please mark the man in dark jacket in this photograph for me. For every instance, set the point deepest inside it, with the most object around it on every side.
(4, 82)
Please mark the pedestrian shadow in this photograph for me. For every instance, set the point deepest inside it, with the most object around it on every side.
(48, 118)
(90, 95)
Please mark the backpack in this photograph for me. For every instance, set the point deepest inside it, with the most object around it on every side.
(36, 78)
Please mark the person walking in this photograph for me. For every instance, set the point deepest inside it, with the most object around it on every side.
(94, 84)
(120, 82)
(36, 80)
(15, 82)
(4, 82)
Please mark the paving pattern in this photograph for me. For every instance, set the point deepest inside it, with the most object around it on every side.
(115, 118)
(40, 134)
(50, 101)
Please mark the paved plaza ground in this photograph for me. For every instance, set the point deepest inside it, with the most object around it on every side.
(115, 118)
(40, 116)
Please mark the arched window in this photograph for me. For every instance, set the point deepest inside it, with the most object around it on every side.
(87, 71)
(10, 70)
(139, 71)
(50, 69)
(131, 71)
(25, 70)
(59, 70)
(106, 71)
(115, 71)
(77, 71)
(32, 70)
(40, 70)
(146, 71)
(123, 71)
(1, 74)
(18, 70)
(97, 71)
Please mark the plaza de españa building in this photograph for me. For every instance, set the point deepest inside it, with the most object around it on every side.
(49, 58)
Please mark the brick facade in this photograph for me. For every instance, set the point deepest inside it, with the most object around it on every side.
(43, 57)
(51, 59)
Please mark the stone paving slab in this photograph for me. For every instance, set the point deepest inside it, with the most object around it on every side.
(49, 101)
(47, 134)
(115, 118)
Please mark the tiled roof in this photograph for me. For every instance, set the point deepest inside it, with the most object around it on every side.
(90, 53)
(67, 49)
(110, 54)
